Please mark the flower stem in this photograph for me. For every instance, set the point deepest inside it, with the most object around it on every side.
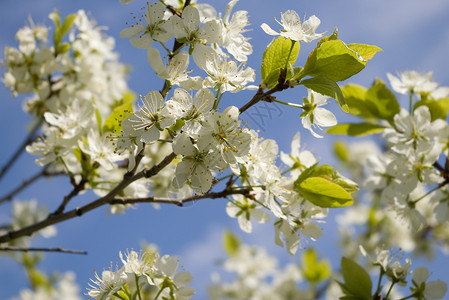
(379, 287)
(158, 293)
(426, 194)
(287, 103)
(389, 290)
(137, 286)
(166, 49)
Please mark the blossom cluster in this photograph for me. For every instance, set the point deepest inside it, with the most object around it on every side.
(143, 274)
(408, 181)
(186, 141)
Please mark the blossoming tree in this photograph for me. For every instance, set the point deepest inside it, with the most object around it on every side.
(184, 142)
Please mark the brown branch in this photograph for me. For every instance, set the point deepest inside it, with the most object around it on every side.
(179, 202)
(30, 137)
(58, 249)
(260, 95)
(43, 173)
(76, 190)
(79, 211)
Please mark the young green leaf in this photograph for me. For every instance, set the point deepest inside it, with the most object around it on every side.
(355, 99)
(231, 243)
(357, 281)
(67, 24)
(333, 36)
(355, 129)
(366, 51)
(438, 108)
(314, 270)
(324, 193)
(326, 87)
(381, 101)
(335, 60)
(341, 151)
(112, 122)
(280, 53)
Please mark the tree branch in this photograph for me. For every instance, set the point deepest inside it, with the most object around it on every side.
(260, 95)
(58, 249)
(76, 190)
(179, 202)
(79, 211)
(30, 137)
(43, 173)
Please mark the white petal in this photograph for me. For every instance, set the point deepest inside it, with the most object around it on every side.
(232, 210)
(155, 13)
(151, 135)
(312, 230)
(201, 179)
(191, 18)
(168, 265)
(245, 224)
(142, 42)
(261, 216)
(183, 278)
(323, 117)
(435, 290)
(182, 145)
(292, 243)
(420, 275)
(132, 31)
(268, 29)
(154, 58)
(182, 174)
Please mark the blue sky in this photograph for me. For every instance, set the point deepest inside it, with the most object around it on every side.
(413, 34)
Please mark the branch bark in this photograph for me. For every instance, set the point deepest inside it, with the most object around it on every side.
(179, 202)
(30, 137)
(58, 249)
(79, 211)
(42, 173)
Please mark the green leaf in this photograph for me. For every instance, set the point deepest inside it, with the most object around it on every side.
(355, 129)
(438, 108)
(341, 150)
(381, 102)
(121, 111)
(99, 122)
(63, 48)
(231, 243)
(314, 270)
(357, 281)
(57, 36)
(355, 99)
(305, 174)
(333, 36)
(56, 18)
(326, 87)
(335, 60)
(280, 53)
(324, 193)
(67, 24)
(366, 51)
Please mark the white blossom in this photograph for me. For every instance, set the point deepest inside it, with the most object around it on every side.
(314, 115)
(294, 30)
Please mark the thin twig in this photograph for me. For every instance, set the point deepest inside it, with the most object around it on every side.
(178, 202)
(42, 173)
(58, 249)
(79, 211)
(30, 137)
(76, 190)
(260, 95)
